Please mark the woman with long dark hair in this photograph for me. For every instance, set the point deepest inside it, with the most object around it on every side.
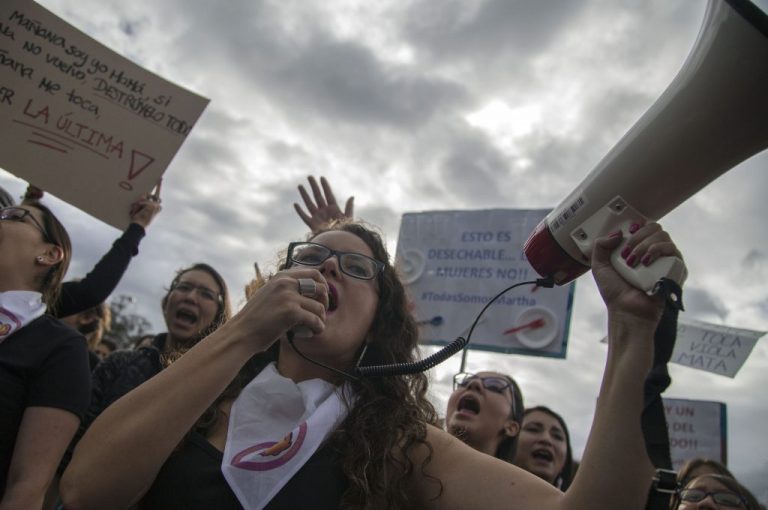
(544, 447)
(44, 374)
(485, 411)
(302, 434)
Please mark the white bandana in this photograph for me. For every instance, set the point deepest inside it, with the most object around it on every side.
(275, 426)
(17, 309)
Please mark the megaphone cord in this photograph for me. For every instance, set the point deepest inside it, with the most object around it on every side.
(426, 363)
(547, 282)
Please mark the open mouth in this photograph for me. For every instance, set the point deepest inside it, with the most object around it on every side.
(186, 317)
(543, 454)
(333, 298)
(468, 404)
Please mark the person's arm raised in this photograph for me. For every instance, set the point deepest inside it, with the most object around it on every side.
(142, 428)
(615, 471)
(324, 208)
(80, 295)
(43, 436)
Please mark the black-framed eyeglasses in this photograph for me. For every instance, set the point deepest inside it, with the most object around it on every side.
(494, 383)
(351, 264)
(14, 213)
(204, 292)
(724, 498)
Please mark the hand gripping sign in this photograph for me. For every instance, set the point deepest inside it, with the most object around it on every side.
(80, 121)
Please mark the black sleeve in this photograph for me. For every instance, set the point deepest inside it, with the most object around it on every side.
(102, 379)
(97, 285)
(63, 380)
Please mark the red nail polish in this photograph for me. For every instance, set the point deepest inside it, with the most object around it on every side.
(646, 259)
(634, 228)
(615, 234)
(631, 260)
(626, 251)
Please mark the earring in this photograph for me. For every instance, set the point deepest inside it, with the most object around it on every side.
(39, 258)
(362, 353)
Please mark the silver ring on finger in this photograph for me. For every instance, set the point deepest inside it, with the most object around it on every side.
(307, 287)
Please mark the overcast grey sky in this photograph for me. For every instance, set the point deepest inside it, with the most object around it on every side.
(419, 105)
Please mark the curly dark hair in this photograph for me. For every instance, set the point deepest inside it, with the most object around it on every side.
(388, 416)
(390, 410)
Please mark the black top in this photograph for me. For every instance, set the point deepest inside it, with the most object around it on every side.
(95, 288)
(43, 364)
(116, 375)
(191, 479)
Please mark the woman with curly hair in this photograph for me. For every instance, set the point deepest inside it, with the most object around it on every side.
(301, 435)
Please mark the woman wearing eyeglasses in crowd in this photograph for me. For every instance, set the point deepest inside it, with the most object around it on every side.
(196, 303)
(44, 374)
(700, 466)
(485, 411)
(713, 491)
(368, 443)
(544, 447)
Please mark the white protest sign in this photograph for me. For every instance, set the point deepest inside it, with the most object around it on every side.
(713, 348)
(80, 121)
(454, 262)
(718, 349)
(697, 428)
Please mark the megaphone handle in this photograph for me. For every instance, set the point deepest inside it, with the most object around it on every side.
(645, 278)
(619, 215)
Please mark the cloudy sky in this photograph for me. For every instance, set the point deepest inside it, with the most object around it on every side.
(420, 105)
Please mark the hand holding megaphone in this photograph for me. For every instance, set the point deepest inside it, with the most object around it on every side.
(644, 270)
(647, 245)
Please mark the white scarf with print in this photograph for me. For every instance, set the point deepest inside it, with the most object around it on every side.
(17, 309)
(275, 426)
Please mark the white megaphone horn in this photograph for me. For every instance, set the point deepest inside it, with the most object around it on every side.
(712, 116)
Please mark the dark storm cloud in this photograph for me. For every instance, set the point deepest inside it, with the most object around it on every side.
(453, 30)
(283, 152)
(704, 304)
(348, 83)
(472, 168)
(313, 74)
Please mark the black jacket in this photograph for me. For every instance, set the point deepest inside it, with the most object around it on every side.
(118, 374)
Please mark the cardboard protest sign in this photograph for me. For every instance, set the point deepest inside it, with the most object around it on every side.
(718, 349)
(80, 121)
(697, 428)
(454, 262)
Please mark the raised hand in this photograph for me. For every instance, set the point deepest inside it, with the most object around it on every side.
(324, 209)
(646, 244)
(144, 210)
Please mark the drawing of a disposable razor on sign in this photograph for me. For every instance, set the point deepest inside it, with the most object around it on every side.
(535, 328)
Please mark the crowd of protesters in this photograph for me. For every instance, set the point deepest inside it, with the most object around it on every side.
(264, 408)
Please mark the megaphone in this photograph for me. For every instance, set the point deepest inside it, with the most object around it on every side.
(712, 116)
